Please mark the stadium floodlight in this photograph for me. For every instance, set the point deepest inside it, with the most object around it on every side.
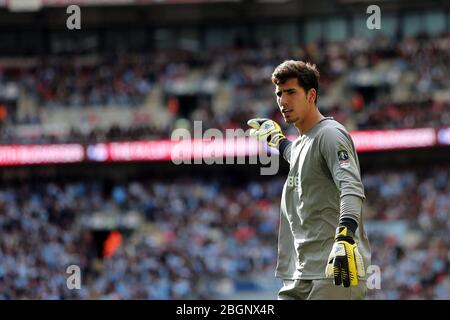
(24, 5)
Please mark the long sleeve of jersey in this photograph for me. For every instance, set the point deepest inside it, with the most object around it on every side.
(285, 149)
(339, 153)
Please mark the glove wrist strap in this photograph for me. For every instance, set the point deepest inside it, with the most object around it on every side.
(284, 143)
(344, 234)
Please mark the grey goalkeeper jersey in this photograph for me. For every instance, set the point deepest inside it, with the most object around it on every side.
(324, 167)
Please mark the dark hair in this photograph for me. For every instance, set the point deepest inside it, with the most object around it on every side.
(306, 74)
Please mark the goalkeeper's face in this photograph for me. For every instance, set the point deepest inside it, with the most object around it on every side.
(294, 103)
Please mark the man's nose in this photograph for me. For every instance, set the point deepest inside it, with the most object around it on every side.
(283, 101)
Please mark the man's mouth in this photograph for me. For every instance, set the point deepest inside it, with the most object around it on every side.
(286, 112)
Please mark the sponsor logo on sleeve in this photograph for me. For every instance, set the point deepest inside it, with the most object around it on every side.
(343, 158)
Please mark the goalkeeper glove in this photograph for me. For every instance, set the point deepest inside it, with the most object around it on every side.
(345, 263)
(268, 130)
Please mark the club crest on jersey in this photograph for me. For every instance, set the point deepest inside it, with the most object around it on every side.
(293, 181)
(343, 158)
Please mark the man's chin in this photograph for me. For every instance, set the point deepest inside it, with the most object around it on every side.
(290, 120)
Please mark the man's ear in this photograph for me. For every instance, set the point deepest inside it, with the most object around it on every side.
(312, 95)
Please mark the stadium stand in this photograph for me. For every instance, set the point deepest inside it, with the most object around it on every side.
(139, 230)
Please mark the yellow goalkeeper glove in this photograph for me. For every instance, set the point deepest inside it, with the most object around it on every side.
(345, 263)
(268, 130)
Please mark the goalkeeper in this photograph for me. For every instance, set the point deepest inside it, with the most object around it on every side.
(323, 249)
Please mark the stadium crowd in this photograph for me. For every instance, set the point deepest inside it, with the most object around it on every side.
(202, 234)
(365, 84)
(414, 263)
